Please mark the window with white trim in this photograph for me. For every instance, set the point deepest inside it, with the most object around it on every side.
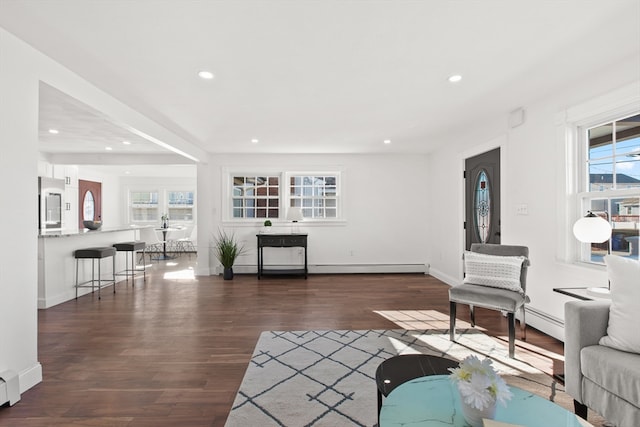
(316, 195)
(149, 206)
(611, 184)
(260, 195)
(255, 196)
(180, 205)
(144, 206)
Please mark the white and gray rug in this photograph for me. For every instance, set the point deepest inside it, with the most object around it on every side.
(327, 378)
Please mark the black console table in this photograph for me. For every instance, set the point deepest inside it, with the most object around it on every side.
(281, 241)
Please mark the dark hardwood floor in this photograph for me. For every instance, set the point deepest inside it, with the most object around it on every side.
(173, 351)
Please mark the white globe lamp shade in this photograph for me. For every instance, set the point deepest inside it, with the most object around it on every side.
(294, 214)
(592, 229)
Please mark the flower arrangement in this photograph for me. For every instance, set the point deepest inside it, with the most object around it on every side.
(479, 384)
(165, 217)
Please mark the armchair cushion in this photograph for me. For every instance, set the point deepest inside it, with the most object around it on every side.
(493, 271)
(624, 277)
(487, 297)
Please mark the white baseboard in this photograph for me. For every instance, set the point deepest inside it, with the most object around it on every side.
(367, 268)
(334, 268)
(30, 377)
(449, 280)
(546, 323)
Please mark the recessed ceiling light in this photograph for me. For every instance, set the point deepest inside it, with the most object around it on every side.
(204, 74)
(455, 78)
(54, 131)
(127, 172)
(387, 141)
(254, 141)
(126, 142)
(108, 148)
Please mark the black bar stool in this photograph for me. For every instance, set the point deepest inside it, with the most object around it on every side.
(96, 254)
(132, 247)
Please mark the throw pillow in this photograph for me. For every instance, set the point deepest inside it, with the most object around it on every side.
(624, 278)
(493, 270)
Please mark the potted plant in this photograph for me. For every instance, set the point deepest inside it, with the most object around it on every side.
(227, 249)
(267, 225)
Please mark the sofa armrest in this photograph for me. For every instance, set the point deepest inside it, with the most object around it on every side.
(585, 322)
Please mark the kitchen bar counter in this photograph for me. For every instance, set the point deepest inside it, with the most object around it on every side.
(87, 232)
(57, 264)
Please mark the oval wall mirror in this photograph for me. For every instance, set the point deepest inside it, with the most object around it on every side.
(88, 206)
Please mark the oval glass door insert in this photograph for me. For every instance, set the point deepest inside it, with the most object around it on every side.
(482, 207)
(88, 206)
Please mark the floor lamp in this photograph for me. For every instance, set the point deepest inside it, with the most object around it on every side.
(593, 229)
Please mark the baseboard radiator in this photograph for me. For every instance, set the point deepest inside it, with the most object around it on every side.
(9, 387)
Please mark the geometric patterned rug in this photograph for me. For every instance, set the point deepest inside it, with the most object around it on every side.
(327, 378)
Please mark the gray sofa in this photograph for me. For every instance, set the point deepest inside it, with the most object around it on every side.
(598, 377)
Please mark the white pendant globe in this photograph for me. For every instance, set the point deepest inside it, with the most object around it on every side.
(592, 229)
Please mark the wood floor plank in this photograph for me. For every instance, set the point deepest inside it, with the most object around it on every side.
(169, 352)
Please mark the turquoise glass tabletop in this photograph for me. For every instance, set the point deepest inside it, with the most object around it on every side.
(434, 401)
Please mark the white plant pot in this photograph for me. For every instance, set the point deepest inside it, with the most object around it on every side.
(474, 416)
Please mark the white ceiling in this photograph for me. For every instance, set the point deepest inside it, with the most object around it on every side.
(320, 76)
(82, 129)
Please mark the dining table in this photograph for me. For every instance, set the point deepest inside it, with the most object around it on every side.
(165, 231)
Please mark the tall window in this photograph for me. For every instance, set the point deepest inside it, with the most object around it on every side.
(611, 185)
(144, 206)
(316, 195)
(256, 196)
(180, 205)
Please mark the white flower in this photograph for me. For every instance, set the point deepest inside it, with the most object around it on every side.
(478, 382)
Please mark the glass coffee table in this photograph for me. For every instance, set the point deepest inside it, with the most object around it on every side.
(434, 401)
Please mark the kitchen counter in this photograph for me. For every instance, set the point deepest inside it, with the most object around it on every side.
(57, 263)
(87, 232)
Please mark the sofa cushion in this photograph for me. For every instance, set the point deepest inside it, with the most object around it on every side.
(614, 370)
(493, 270)
(624, 277)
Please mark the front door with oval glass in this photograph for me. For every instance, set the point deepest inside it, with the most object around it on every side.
(90, 203)
(482, 198)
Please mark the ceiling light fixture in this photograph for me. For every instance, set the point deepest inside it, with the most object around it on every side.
(108, 148)
(254, 141)
(204, 74)
(387, 141)
(54, 131)
(126, 142)
(455, 78)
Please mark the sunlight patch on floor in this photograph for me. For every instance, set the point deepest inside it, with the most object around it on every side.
(402, 348)
(187, 274)
(544, 360)
(421, 319)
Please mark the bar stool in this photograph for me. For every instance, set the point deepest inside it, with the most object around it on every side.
(96, 254)
(132, 247)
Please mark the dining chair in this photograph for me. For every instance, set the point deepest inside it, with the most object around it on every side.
(496, 279)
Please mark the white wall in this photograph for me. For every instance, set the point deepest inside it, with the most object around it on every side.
(21, 71)
(18, 211)
(534, 172)
(385, 205)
